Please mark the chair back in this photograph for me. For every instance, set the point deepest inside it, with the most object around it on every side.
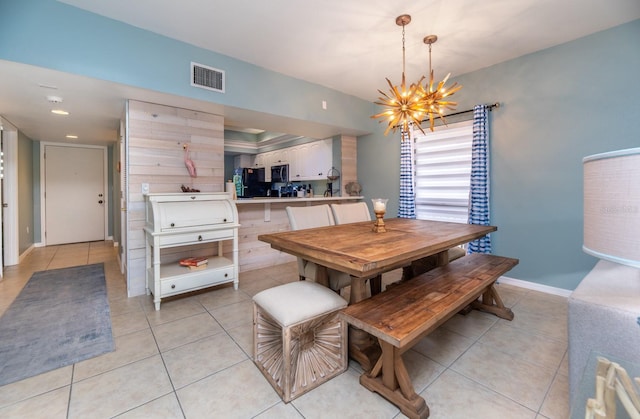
(351, 213)
(310, 217)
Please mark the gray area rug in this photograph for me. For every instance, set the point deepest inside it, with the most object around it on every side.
(60, 317)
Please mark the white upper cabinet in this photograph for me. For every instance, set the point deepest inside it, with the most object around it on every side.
(243, 160)
(309, 161)
(260, 160)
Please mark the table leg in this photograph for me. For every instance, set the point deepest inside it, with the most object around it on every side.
(322, 275)
(363, 348)
(394, 383)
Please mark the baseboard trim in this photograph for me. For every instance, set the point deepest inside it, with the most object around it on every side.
(25, 253)
(534, 286)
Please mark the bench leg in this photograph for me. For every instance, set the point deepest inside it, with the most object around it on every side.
(390, 379)
(492, 303)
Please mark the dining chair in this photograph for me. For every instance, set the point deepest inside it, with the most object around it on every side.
(351, 212)
(301, 218)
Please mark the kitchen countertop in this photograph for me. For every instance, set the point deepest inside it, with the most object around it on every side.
(270, 200)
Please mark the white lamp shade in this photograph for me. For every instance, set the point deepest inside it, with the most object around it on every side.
(612, 206)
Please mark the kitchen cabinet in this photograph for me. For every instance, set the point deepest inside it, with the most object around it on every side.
(260, 160)
(188, 220)
(311, 161)
(243, 160)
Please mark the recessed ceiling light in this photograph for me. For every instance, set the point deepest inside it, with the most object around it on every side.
(59, 112)
(72, 136)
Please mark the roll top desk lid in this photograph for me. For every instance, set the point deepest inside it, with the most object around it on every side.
(174, 212)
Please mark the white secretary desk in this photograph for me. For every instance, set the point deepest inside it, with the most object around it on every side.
(177, 221)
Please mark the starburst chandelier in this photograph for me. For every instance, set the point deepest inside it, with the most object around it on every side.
(433, 99)
(408, 106)
(402, 105)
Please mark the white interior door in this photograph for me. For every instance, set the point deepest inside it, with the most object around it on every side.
(75, 198)
(9, 230)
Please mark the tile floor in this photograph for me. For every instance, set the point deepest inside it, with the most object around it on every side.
(192, 359)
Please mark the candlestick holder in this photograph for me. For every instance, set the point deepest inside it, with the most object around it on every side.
(379, 208)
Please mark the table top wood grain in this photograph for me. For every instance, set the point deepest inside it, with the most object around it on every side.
(355, 249)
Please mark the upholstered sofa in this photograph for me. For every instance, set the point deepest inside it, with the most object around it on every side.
(604, 318)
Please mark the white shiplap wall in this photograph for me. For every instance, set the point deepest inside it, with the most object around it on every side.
(155, 139)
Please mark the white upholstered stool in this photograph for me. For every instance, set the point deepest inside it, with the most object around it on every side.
(299, 341)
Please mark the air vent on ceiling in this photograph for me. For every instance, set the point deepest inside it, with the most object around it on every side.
(207, 77)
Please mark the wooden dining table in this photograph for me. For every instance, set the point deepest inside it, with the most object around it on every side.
(356, 249)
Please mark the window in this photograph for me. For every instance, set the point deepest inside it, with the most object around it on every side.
(443, 172)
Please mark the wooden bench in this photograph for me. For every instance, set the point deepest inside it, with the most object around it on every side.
(402, 315)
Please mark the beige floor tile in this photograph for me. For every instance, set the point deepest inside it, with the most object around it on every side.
(280, 411)
(68, 262)
(556, 403)
(539, 350)
(123, 305)
(254, 287)
(344, 397)
(183, 331)
(243, 336)
(194, 361)
(536, 301)
(443, 346)
(126, 323)
(240, 391)
(519, 380)
(172, 310)
(422, 370)
(284, 273)
(129, 348)
(472, 325)
(222, 297)
(540, 323)
(166, 407)
(234, 315)
(34, 386)
(250, 277)
(119, 390)
(51, 405)
(453, 396)
(564, 366)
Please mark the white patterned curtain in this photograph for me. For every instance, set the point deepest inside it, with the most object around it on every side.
(479, 202)
(407, 204)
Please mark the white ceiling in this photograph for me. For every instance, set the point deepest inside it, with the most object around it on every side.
(348, 45)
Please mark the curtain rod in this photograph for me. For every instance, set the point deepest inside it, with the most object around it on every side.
(493, 105)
